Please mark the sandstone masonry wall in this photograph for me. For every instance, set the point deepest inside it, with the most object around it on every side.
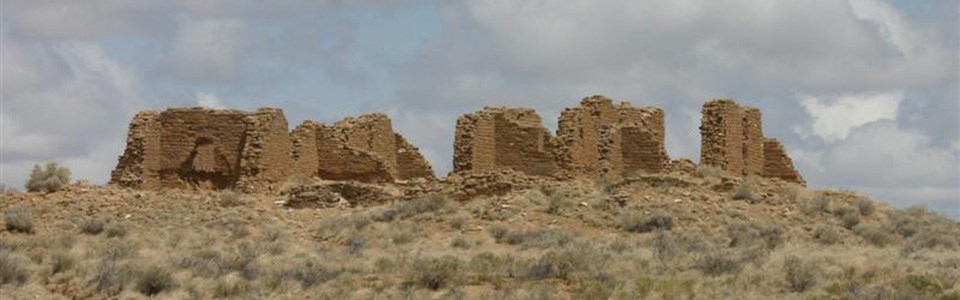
(219, 149)
(721, 133)
(501, 137)
(777, 164)
(600, 139)
(732, 139)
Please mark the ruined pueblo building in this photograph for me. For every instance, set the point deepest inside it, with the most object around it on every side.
(595, 139)
(363, 148)
(502, 137)
(598, 138)
(212, 149)
(732, 139)
(219, 149)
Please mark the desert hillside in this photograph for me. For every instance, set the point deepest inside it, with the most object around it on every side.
(678, 234)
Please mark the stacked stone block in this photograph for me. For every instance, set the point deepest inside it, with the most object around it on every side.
(777, 164)
(501, 137)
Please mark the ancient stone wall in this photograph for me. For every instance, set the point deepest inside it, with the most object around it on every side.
(721, 133)
(410, 163)
(777, 164)
(219, 149)
(598, 138)
(303, 151)
(753, 163)
(501, 137)
(204, 148)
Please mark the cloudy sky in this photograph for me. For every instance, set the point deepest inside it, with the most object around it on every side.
(864, 93)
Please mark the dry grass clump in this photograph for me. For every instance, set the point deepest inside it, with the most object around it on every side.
(230, 199)
(12, 269)
(636, 222)
(800, 275)
(92, 226)
(744, 193)
(408, 209)
(826, 235)
(155, 279)
(18, 219)
(115, 230)
(704, 171)
(718, 262)
(436, 273)
(49, 178)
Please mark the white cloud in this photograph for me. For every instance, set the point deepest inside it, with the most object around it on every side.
(209, 100)
(207, 49)
(890, 22)
(833, 120)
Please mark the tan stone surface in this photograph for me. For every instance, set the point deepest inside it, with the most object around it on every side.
(752, 141)
(721, 133)
(598, 138)
(777, 164)
(501, 137)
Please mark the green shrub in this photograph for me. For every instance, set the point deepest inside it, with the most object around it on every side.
(155, 279)
(48, 179)
(636, 222)
(768, 236)
(866, 207)
(498, 231)
(230, 287)
(460, 242)
(743, 192)
(716, 263)
(826, 234)
(705, 171)
(92, 226)
(850, 218)
(800, 275)
(230, 199)
(436, 273)
(115, 230)
(538, 238)
(873, 234)
(312, 271)
(557, 264)
(12, 269)
(407, 209)
(61, 261)
(18, 219)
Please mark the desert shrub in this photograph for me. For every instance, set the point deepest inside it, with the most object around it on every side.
(295, 182)
(556, 204)
(537, 238)
(436, 273)
(240, 258)
(155, 279)
(866, 207)
(716, 263)
(115, 230)
(820, 203)
(460, 242)
(800, 275)
(407, 209)
(924, 284)
(230, 287)
(873, 234)
(230, 199)
(850, 218)
(117, 250)
(92, 226)
(18, 219)
(110, 277)
(743, 192)
(791, 193)
(768, 236)
(458, 222)
(340, 225)
(827, 235)
(49, 178)
(61, 261)
(664, 248)
(557, 264)
(705, 171)
(311, 271)
(403, 235)
(12, 269)
(636, 222)
(355, 243)
(598, 288)
(498, 231)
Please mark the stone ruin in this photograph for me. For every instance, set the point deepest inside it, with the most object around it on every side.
(598, 138)
(363, 148)
(501, 137)
(219, 149)
(594, 139)
(732, 139)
